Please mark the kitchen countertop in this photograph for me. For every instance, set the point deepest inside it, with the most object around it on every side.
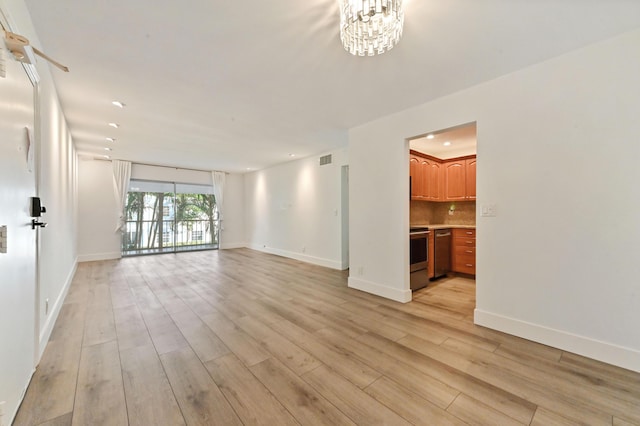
(442, 226)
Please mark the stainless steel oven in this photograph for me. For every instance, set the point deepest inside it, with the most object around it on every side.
(418, 257)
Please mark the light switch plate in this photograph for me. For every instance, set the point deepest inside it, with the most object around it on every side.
(3, 239)
(488, 210)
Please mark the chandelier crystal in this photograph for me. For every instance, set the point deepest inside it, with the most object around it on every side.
(370, 27)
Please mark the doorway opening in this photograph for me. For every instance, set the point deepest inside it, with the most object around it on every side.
(169, 217)
(442, 168)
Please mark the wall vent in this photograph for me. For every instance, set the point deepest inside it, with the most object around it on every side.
(325, 159)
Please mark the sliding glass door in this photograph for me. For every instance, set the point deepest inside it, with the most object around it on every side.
(168, 217)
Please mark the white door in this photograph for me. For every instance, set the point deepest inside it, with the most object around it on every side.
(18, 264)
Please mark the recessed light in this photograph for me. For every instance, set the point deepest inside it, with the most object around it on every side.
(292, 155)
(430, 136)
(110, 139)
(447, 143)
(249, 168)
(114, 125)
(108, 149)
(106, 156)
(118, 104)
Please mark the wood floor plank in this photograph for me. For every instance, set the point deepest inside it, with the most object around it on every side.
(142, 372)
(501, 379)
(99, 326)
(164, 333)
(291, 355)
(240, 343)
(122, 297)
(455, 376)
(253, 403)
(355, 371)
(64, 420)
(620, 422)
(100, 393)
(205, 343)
(199, 398)
(598, 397)
(544, 417)
(439, 393)
(302, 401)
(51, 392)
(474, 412)
(70, 322)
(131, 331)
(351, 400)
(410, 405)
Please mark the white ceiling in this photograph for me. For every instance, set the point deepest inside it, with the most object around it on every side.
(231, 85)
(448, 143)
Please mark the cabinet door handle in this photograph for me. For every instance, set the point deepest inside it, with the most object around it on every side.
(469, 265)
(469, 242)
(469, 233)
(468, 251)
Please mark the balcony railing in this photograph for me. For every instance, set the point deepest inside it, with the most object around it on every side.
(147, 236)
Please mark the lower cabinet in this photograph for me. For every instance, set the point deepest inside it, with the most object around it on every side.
(463, 251)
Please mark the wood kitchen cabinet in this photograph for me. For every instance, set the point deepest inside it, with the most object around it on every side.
(470, 178)
(415, 171)
(435, 180)
(432, 180)
(463, 251)
(454, 180)
(460, 179)
(426, 177)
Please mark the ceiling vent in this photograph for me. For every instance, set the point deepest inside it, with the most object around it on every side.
(325, 159)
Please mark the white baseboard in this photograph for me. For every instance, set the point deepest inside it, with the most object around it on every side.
(227, 246)
(396, 294)
(602, 351)
(99, 256)
(344, 265)
(45, 333)
(328, 263)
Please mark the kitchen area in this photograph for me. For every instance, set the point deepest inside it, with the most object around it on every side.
(442, 234)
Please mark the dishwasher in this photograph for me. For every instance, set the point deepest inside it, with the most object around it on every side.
(441, 253)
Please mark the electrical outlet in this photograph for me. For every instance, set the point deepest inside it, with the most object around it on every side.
(360, 270)
(304, 249)
(46, 306)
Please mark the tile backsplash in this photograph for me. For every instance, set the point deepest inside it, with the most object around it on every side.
(436, 213)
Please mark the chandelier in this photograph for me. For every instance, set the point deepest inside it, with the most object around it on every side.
(370, 27)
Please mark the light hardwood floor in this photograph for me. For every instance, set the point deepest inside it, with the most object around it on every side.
(242, 337)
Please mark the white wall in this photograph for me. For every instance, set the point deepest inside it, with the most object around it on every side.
(557, 152)
(232, 232)
(56, 170)
(294, 210)
(97, 239)
(58, 192)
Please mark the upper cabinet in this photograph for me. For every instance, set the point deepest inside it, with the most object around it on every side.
(432, 178)
(436, 180)
(470, 178)
(460, 180)
(417, 180)
(454, 180)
